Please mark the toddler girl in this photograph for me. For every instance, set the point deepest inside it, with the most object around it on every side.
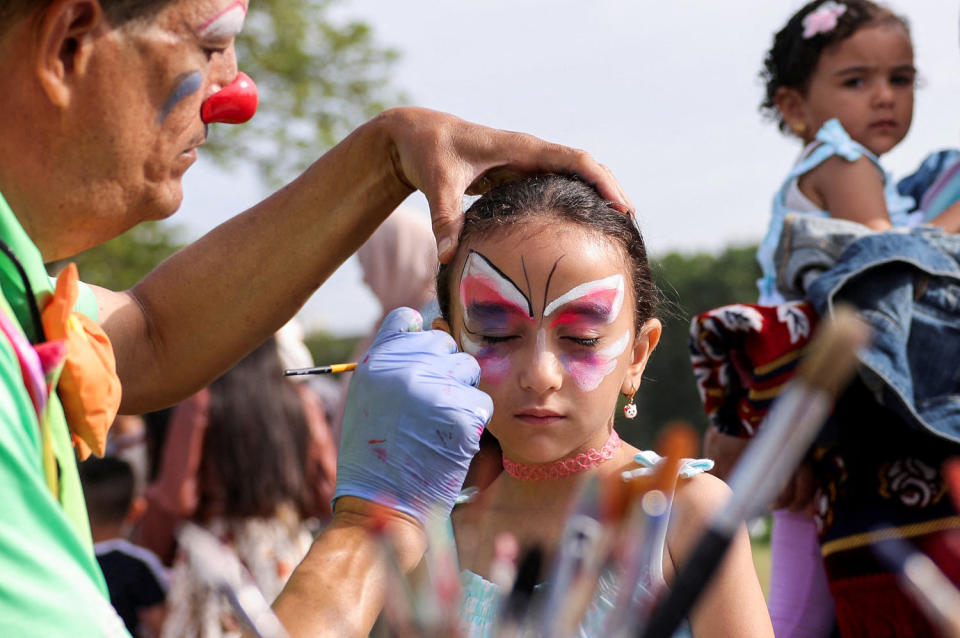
(840, 77)
(551, 291)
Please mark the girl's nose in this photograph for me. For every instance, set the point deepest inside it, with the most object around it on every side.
(545, 372)
(884, 94)
(233, 104)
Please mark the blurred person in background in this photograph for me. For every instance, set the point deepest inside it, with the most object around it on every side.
(399, 264)
(251, 417)
(135, 578)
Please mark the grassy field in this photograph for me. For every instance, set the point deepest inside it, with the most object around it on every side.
(761, 559)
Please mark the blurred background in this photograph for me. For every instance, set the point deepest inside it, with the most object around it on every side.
(664, 93)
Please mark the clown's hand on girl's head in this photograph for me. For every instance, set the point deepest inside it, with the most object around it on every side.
(413, 420)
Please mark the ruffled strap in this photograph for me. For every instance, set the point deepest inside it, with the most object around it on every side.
(835, 137)
(650, 459)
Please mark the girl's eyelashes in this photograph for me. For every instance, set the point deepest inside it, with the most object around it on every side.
(853, 82)
(492, 339)
(589, 342)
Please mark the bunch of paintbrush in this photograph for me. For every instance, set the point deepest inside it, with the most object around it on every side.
(645, 530)
(784, 437)
(616, 525)
(423, 604)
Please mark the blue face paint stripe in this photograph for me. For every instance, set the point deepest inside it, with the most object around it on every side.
(188, 83)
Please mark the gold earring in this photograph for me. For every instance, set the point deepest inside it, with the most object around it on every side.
(630, 409)
(798, 128)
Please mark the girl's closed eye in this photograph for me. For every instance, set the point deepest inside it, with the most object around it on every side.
(494, 339)
(589, 342)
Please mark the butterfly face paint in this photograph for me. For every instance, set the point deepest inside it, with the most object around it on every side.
(492, 303)
(582, 310)
(495, 308)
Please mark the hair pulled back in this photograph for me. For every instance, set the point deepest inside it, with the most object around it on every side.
(792, 58)
(561, 200)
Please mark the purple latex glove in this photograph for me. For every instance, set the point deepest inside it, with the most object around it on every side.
(413, 419)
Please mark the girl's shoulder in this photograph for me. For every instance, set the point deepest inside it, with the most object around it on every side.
(698, 498)
(695, 502)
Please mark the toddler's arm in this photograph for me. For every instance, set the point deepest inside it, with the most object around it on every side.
(848, 190)
(733, 604)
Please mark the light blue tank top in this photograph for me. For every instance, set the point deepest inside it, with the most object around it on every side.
(833, 140)
(480, 604)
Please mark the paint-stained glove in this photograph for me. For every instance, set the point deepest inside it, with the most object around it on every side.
(413, 419)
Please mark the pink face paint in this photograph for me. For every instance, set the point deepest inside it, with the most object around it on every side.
(590, 304)
(491, 302)
(588, 369)
(606, 295)
(226, 24)
(482, 285)
(493, 365)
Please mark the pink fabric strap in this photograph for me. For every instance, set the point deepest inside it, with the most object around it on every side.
(565, 467)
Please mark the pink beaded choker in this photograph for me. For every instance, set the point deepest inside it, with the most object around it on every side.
(565, 467)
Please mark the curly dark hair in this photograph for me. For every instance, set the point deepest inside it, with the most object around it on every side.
(563, 200)
(792, 58)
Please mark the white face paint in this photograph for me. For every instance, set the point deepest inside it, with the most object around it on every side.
(613, 283)
(226, 24)
(481, 281)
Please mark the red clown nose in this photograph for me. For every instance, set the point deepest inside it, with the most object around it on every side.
(233, 104)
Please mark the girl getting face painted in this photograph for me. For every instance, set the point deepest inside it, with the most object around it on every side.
(547, 301)
(551, 292)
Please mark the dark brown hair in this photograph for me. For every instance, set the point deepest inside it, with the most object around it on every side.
(792, 58)
(562, 200)
(256, 445)
(117, 11)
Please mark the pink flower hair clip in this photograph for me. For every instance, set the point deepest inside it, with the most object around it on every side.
(823, 20)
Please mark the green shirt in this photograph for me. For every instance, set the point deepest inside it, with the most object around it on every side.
(50, 582)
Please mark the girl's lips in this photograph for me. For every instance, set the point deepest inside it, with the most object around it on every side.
(539, 417)
(884, 124)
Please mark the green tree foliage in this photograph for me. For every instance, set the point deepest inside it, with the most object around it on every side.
(326, 348)
(691, 284)
(318, 81)
(124, 260)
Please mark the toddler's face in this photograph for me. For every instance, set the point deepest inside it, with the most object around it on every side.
(547, 309)
(867, 82)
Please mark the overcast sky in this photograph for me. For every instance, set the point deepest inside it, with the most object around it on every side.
(665, 93)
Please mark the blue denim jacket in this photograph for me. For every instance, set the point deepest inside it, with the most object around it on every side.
(906, 284)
